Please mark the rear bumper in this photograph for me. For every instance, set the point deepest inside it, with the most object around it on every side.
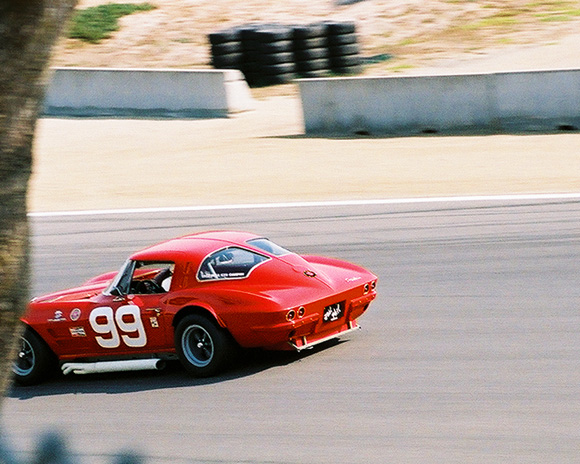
(305, 342)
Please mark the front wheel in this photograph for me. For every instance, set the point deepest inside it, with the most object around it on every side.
(203, 347)
(34, 361)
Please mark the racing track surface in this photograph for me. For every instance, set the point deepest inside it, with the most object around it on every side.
(470, 354)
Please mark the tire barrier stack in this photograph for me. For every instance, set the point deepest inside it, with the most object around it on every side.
(343, 48)
(226, 49)
(311, 50)
(270, 54)
(250, 54)
(275, 60)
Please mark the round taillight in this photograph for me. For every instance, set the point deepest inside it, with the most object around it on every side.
(373, 284)
(366, 288)
(301, 311)
(290, 315)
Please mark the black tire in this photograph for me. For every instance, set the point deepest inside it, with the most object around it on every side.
(309, 31)
(311, 54)
(276, 79)
(342, 39)
(312, 65)
(277, 58)
(340, 28)
(250, 58)
(226, 48)
(280, 68)
(347, 70)
(203, 347)
(305, 44)
(343, 50)
(313, 74)
(231, 61)
(264, 80)
(252, 78)
(35, 361)
(345, 61)
(228, 35)
(250, 66)
(281, 46)
(273, 34)
(248, 32)
(250, 70)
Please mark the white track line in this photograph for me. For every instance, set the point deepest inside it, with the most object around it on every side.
(307, 204)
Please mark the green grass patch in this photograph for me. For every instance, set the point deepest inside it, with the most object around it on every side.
(505, 40)
(400, 67)
(488, 22)
(408, 41)
(99, 22)
(556, 10)
(569, 16)
(500, 19)
(553, 5)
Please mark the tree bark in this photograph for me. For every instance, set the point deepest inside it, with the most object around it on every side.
(28, 30)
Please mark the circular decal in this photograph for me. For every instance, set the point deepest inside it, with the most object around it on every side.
(75, 314)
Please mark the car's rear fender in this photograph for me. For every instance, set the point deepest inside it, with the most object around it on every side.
(197, 308)
(233, 310)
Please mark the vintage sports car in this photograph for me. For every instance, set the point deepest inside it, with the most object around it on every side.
(196, 298)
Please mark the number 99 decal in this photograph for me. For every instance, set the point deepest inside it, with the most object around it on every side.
(126, 319)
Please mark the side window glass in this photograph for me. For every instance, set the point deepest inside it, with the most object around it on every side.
(229, 263)
(151, 277)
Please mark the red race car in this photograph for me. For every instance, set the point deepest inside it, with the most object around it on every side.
(196, 298)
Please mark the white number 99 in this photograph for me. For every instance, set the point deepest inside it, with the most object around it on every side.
(103, 322)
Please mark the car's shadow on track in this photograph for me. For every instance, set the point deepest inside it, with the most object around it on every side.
(248, 362)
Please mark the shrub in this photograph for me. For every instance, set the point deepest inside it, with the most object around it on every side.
(97, 23)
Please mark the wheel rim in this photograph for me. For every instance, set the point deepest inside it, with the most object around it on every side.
(24, 364)
(197, 345)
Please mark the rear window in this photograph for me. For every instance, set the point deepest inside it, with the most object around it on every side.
(229, 263)
(268, 246)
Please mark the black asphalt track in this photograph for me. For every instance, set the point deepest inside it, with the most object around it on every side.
(470, 354)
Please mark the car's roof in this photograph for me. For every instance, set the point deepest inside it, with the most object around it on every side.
(194, 246)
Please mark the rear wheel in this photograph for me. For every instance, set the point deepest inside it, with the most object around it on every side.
(34, 362)
(203, 347)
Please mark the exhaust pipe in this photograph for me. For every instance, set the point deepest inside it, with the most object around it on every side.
(113, 366)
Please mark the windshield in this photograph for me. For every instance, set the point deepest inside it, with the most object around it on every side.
(120, 284)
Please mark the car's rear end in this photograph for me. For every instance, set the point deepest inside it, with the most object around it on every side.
(321, 300)
(330, 317)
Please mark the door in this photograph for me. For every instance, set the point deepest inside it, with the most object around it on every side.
(130, 317)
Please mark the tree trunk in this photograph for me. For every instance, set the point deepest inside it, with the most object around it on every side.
(28, 29)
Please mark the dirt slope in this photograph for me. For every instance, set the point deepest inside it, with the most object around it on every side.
(174, 162)
(419, 33)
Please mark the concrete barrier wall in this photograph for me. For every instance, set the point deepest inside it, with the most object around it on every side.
(543, 100)
(538, 100)
(146, 93)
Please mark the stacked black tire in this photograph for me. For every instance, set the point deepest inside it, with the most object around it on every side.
(226, 49)
(275, 60)
(343, 48)
(276, 54)
(251, 54)
(311, 50)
